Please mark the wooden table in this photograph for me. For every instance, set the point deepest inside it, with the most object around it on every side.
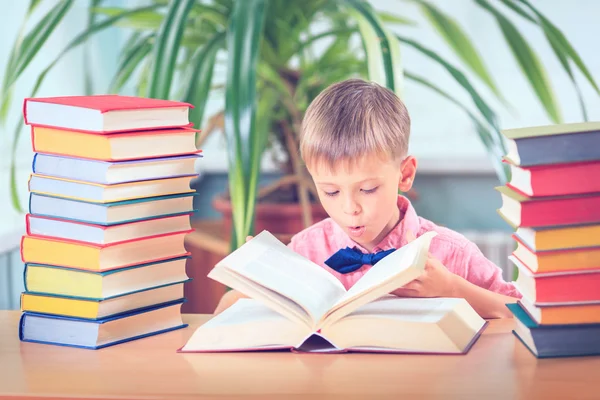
(498, 366)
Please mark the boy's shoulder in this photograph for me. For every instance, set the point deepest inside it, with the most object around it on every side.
(446, 236)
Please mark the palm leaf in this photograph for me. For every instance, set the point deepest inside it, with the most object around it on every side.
(78, 40)
(565, 52)
(528, 62)
(381, 47)
(149, 20)
(458, 40)
(244, 141)
(87, 78)
(133, 55)
(390, 18)
(198, 86)
(485, 135)
(26, 48)
(461, 79)
(166, 48)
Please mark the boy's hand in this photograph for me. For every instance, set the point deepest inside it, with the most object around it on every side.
(436, 281)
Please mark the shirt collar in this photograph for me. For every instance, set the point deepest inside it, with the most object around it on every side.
(409, 221)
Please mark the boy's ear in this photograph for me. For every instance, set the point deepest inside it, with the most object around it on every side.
(408, 169)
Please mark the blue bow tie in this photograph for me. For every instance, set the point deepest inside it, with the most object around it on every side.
(349, 260)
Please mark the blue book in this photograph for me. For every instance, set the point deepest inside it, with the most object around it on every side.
(553, 144)
(114, 172)
(546, 341)
(97, 334)
(111, 213)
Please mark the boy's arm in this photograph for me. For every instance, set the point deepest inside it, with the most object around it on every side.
(486, 303)
(483, 285)
(479, 282)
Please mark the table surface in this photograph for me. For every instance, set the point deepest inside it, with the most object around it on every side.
(498, 366)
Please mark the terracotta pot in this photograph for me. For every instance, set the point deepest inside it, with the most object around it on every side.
(282, 219)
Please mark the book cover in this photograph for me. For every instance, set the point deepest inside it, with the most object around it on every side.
(105, 113)
(94, 335)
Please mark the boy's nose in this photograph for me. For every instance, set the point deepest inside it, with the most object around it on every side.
(351, 207)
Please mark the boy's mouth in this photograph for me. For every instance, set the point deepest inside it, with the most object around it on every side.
(356, 231)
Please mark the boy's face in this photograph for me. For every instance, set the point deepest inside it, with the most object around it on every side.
(362, 198)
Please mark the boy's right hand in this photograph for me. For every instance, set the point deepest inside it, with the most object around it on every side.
(230, 297)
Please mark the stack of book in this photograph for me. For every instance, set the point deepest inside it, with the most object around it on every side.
(553, 202)
(110, 205)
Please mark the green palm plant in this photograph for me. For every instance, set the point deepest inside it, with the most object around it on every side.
(275, 68)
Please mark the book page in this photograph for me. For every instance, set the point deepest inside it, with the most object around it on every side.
(426, 310)
(247, 324)
(395, 270)
(267, 262)
(269, 298)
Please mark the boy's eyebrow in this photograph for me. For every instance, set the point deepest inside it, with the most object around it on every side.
(334, 183)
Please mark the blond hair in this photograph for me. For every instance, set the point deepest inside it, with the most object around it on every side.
(352, 118)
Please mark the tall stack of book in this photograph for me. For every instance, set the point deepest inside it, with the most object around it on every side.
(553, 203)
(110, 205)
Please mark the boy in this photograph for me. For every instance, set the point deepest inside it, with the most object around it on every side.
(354, 142)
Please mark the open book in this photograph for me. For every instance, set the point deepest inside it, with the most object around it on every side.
(295, 303)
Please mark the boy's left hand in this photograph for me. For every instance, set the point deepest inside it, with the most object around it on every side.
(436, 281)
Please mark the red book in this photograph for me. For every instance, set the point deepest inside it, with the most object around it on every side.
(557, 287)
(556, 180)
(105, 113)
(520, 210)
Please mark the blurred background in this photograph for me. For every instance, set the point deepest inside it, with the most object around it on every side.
(503, 63)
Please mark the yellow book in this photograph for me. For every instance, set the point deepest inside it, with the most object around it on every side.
(557, 238)
(60, 281)
(95, 309)
(94, 257)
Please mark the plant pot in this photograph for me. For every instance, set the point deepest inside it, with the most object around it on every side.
(282, 219)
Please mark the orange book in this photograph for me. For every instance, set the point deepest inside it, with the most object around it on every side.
(94, 257)
(114, 147)
(556, 238)
(585, 313)
(557, 260)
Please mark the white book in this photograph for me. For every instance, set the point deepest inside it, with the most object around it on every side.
(98, 193)
(295, 303)
(105, 113)
(108, 173)
(99, 234)
(111, 213)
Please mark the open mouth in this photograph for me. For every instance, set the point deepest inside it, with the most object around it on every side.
(356, 231)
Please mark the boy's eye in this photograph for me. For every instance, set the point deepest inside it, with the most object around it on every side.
(369, 191)
(331, 193)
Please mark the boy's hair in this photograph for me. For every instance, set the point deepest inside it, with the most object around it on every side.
(352, 118)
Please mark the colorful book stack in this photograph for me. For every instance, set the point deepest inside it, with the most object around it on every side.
(110, 205)
(553, 203)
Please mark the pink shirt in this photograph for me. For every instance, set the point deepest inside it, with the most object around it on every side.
(461, 256)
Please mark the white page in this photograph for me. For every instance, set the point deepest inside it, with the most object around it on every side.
(270, 263)
(269, 298)
(391, 266)
(247, 323)
(427, 310)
